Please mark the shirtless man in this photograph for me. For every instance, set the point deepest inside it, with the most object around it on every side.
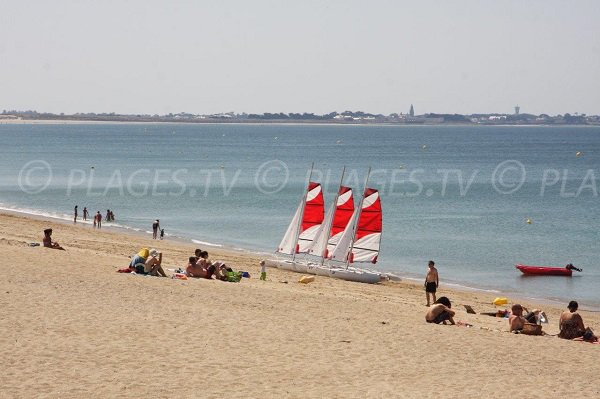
(440, 311)
(431, 281)
(516, 321)
(198, 268)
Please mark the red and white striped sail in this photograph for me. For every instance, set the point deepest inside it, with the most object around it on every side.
(331, 231)
(314, 213)
(366, 232)
(305, 223)
(368, 235)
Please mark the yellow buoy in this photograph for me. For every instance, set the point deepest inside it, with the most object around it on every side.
(528, 221)
(500, 301)
(578, 154)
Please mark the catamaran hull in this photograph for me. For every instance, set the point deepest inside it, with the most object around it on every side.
(360, 276)
(292, 266)
(350, 274)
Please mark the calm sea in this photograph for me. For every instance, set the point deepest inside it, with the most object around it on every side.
(458, 195)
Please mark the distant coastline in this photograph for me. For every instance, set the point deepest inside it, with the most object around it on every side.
(335, 118)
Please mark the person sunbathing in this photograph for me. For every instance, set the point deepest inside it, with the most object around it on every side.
(148, 262)
(517, 321)
(47, 240)
(199, 268)
(440, 312)
(571, 325)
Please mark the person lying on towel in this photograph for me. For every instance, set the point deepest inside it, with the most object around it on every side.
(199, 268)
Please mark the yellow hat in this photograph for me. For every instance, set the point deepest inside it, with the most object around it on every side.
(144, 253)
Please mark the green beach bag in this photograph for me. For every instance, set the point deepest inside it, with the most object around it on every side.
(234, 277)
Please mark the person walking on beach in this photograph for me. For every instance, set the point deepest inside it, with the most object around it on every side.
(431, 281)
(155, 228)
(85, 213)
(99, 219)
(75, 215)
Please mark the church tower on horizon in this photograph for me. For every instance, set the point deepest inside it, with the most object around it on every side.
(412, 111)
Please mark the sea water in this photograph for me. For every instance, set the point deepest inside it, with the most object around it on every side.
(459, 195)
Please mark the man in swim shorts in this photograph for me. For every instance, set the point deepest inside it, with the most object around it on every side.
(431, 281)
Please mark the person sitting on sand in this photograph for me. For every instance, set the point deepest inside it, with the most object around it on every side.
(221, 271)
(199, 268)
(440, 311)
(148, 262)
(516, 320)
(571, 325)
(47, 240)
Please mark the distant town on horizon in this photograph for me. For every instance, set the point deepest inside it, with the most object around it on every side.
(346, 117)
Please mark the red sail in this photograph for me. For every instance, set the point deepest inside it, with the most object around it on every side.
(314, 213)
(368, 234)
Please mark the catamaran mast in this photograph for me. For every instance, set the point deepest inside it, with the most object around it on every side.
(355, 229)
(302, 213)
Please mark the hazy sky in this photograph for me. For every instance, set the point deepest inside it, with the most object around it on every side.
(300, 56)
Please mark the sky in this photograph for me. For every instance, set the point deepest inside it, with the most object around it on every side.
(203, 57)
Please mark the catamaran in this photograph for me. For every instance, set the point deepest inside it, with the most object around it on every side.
(346, 236)
(301, 231)
(359, 242)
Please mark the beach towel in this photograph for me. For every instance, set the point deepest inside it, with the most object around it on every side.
(125, 270)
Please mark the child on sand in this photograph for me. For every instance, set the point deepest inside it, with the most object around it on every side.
(263, 271)
(431, 281)
(47, 241)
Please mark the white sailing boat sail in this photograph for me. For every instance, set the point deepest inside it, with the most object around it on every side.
(360, 241)
(302, 229)
(338, 217)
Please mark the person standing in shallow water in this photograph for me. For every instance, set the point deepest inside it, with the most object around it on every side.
(85, 213)
(99, 219)
(431, 281)
(155, 228)
(75, 215)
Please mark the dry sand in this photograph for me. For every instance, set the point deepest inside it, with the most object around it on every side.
(71, 327)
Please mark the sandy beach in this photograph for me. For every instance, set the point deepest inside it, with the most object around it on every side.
(72, 327)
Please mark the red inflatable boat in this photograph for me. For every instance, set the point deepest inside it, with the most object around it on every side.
(547, 270)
